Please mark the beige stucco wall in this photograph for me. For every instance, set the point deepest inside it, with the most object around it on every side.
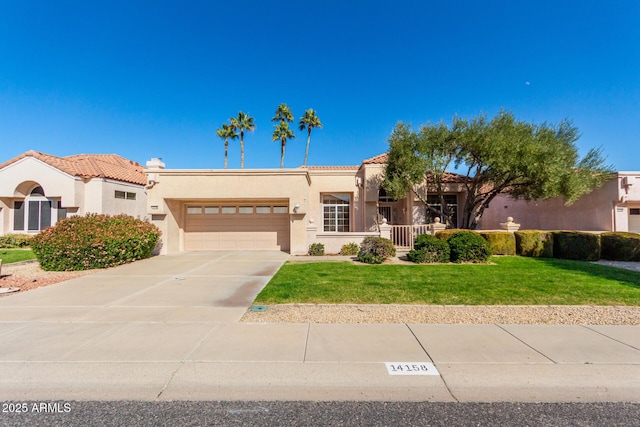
(17, 179)
(77, 195)
(592, 212)
(175, 188)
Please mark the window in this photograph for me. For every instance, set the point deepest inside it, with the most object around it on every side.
(280, 209)
(634, 211)
(125, 195)
(384, 197)
(245, 209)
(194, 210)
(18, 215)
(228, 210)
(211, 210)
(35, 212)
(335, 212)
(263, 209)
(434, 201)
(62, 212)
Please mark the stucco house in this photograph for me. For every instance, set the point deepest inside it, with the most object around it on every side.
(613, 207)
(38, 189)
(278, 209)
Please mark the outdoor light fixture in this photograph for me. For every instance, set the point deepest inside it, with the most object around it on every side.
(296, 207)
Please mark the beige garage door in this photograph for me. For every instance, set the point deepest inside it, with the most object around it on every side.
(258, 226)
(634, 220)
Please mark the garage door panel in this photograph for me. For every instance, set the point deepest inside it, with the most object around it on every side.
(237, 232)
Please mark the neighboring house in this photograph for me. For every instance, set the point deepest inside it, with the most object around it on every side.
(613, 207)
(277, 209)
(38, 189)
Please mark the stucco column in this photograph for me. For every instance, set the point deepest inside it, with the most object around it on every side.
(437, 226)
(510, 225)
(385, 229)
(312, 232)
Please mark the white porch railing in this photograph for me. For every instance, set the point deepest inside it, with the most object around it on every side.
(403, 235)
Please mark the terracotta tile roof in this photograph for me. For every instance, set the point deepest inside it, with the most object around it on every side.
(449, 177)
(380, 159)
(110, 166)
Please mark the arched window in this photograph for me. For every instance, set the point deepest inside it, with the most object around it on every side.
(38, 191)
(384, 197)
(35, 211)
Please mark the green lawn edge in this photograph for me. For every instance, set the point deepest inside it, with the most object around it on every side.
(508, 280)
(9, 256)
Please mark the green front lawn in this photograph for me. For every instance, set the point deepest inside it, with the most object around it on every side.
(14, 255)
(510, 281)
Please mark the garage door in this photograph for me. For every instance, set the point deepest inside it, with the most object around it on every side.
(634, 220)
(259, 226)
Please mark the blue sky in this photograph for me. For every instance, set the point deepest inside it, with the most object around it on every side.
(156, 78)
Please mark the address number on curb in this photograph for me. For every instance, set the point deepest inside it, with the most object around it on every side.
(411, 368)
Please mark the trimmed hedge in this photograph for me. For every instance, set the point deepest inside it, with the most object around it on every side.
(429, 249)
(10, 241)
(500, 242)
(445, 234)
(468, 246)
(620, 246)
(316, 249)
(374, 250)
(534, 243)
(576, 245)
(349, 249)
(94, 241)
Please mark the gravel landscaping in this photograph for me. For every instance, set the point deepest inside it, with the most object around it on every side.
(393, 313)
(28, 275)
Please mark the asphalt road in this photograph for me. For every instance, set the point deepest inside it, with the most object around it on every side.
(317, 414)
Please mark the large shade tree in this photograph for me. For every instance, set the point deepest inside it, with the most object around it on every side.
(309, 121)
(225, 132)
(282, 132)
(243, 122)
(498, 156)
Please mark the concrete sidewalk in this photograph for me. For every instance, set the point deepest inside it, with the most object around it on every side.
(166, 329)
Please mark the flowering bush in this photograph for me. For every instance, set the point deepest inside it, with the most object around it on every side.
(94, 241)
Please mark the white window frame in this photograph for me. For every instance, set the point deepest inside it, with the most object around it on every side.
(334, 214)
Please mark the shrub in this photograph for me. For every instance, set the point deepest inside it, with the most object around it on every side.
(10, 241)
(94, 241)
(576, 245)
(534, 243)
(374, 250)
(468, 246)
(428, 249)
(500, 242)
(349, 249)
(445, 234)
(618, 246)
(316, 249)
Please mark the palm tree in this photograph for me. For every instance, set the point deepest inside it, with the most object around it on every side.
(226, 131)
(282, 133)
(242, 122)
(309, 121)
(283, 114)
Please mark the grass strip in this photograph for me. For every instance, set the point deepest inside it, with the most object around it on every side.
(511, 280)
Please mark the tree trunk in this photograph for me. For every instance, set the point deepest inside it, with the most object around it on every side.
(306, 153)
(282, 154)
(241, 150)
(226, 151)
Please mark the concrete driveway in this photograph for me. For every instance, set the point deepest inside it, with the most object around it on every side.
(188, 287)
